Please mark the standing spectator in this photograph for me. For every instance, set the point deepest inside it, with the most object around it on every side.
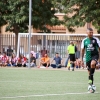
(43, 52)
(77, 52)
(4, 59)
(3, 50)
(71, 52)
(9, 51)
(45, 61)
(58, 61)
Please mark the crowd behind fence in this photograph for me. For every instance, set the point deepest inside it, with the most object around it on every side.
(52, 42)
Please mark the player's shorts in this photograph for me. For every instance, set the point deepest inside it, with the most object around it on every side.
(72, 57)
(88, 64)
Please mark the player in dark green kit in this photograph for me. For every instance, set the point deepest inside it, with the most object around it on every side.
(91, 47)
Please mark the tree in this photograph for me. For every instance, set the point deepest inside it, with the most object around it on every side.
(15, 13)
(2, 12)
(80, 12)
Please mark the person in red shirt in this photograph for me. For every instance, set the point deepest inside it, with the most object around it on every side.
(24, 60)
(4, 59)
(19, 61)
(0, 59)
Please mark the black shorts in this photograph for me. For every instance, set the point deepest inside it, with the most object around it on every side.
(45, 64)
(72, 57)
(88, 64)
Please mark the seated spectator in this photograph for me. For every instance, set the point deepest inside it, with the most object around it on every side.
(23, 60)
(9, 60)
(4, 59)
(19, 61)
(32, 61)
(34, 54)
(0, 59)
(78, 63)
(13, 60)
(58, 61)
(45, 61)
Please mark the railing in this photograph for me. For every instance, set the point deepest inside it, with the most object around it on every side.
(6, 40)
(52, 42)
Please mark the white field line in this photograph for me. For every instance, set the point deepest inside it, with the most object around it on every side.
(43, 82)
(43, 95)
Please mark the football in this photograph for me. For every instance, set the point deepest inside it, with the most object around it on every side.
(91, 88)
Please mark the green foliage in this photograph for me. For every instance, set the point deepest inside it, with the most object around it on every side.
(15, 13)
(80, 12)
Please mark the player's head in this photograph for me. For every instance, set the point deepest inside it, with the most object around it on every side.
(90, 32)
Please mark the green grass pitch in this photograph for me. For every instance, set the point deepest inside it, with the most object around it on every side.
(46, 84)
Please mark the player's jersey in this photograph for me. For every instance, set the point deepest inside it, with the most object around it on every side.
(91, 47)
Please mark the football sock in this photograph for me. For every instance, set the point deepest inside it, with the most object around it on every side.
(72, 65)
(89, 77)
(91, 74)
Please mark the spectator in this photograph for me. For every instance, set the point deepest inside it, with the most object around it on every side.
(77, 52)
(32, 61)
(9, 51)
(58, 61)
(45, 61)
(43, 52)
(33, 53)
(19, 61)
(0, 59)
(3, 50)
(23, 60)
(9, 60)
(13, 60)
(78, 63)
(4, 59)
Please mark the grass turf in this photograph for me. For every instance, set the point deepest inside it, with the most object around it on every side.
(46, 84)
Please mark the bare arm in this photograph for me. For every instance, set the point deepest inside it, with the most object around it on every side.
(82, 54)
(61, 62)
(52, 61)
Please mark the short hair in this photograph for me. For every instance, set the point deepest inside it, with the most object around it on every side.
(57, 53)
(89, 29)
